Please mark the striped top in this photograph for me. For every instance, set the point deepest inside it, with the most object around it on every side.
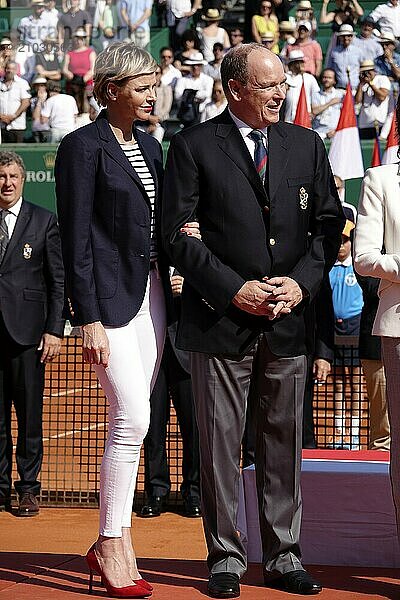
(135, 157)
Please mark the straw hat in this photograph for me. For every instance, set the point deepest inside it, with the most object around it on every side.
(39, 80)
(80, 33)
(305, 24)
(197, 59)
(286, 26)
(367, 65)
(211, 14)
(295, 55)
(268, 36)
(345, 30)
(304, 5)
(387, 36)
(6, 42)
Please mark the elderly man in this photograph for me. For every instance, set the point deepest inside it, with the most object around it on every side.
(31, 325)
(271, 220)
(346, 56)
(14, 102)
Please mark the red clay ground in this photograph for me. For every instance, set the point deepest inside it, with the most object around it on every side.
(40, 559)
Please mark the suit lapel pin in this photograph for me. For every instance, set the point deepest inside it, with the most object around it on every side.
(27, 251)
(303, 198)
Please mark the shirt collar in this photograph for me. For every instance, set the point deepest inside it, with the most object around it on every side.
(345, 263)
(245, 129)
(14, 210)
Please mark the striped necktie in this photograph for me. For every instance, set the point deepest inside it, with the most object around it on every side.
(4, 237)
(260, 154)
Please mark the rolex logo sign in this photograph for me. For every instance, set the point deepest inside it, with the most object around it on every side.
(49, 160)
(41, 167)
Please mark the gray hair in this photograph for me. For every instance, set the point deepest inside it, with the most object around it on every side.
(7, 157)
(235, 64)
(118, 62)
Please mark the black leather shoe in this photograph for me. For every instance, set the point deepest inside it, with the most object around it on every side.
(224, 585)
(28, 505)
(192, 507)
(5, 504)
(154, 507)
(296, 582)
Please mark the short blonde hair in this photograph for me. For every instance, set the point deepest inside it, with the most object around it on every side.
(117, 62)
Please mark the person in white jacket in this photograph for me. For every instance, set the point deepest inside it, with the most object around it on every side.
(377, 254)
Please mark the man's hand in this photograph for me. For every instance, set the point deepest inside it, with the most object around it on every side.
(7, 119)
(321, 369)
(256, 298)
(50, 346)
(285, 290)
(95, 346)
(176, 285)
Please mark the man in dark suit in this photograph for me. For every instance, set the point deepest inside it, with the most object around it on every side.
(31, 327)
(271, 221)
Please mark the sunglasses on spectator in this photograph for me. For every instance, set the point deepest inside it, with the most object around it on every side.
(166, 55)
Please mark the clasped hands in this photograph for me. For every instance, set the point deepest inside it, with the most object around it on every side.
(271, 297)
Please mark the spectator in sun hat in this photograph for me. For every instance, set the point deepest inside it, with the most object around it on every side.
(373, 96)
(345, 56)
(212, 33)
(296, 76)
(388, 61)
(367, 41)
(33, 28)
(305, 12)
(311, 48)
(268, 40)
(6, 53)
(196, 80)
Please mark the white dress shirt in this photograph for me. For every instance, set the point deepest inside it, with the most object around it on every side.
(388, 17)
(11, 217)
(245, 130)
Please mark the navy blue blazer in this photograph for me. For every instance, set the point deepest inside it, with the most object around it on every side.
(104, 216)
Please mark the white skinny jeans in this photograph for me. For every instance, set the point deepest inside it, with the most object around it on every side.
(135, 355)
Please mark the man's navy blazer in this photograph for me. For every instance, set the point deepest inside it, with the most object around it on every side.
(104, 215)
(32, 277)
(210, 175)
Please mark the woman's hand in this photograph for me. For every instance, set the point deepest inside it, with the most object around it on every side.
(95, 346)
(191, 229)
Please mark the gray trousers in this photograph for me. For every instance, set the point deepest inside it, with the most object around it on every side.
(221, 387)
(391, 360)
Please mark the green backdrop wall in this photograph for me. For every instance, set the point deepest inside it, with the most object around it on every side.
(39, 161)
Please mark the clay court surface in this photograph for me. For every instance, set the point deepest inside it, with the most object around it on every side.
(40, 559)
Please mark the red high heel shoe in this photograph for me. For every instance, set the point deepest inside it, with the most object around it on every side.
(129, 591)
(144, 584)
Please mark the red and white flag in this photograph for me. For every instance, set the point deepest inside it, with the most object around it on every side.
(376, 160)
(392, 145)
(345, 152)
(302, 115)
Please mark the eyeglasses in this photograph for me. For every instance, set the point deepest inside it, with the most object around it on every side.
(236, 35)
(166, 56)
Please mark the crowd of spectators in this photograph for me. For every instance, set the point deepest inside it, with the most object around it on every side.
(58, 44)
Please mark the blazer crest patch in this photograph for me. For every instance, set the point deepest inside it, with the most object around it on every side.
(303, 197)
(27, 252)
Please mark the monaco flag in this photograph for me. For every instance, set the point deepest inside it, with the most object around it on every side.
(392, 146)
(345, 152)
(376, 154)
(302, 115)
